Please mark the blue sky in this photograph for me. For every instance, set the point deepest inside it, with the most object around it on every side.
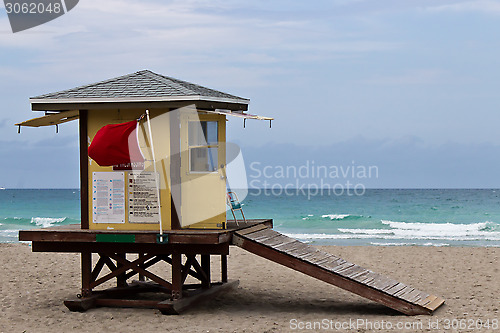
(409, 86)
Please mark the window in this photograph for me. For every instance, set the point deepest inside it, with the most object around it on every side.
(203, 146)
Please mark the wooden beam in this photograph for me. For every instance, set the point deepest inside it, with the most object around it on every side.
(134, 265)
(97, 269)
(121, 280)
(126, 303)
(223, 266)
(146, 265)
(205, 267)
(42, 246)
(117, 297)
(191, 272)
(82, 304)
(124, 266)
(135, 287)
(141, 277)
(73, 233)
(84, 169)
(55, 106)
(174, 307)
(203, 276)
(176, 276)
(186, 267)
(86, 264)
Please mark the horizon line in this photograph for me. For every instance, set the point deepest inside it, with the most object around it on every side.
(288, 189)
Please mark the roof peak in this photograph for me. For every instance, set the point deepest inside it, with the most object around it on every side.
(144, 84)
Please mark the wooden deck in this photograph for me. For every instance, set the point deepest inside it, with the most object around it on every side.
(71, 238)
(327, 267)
(188, 251)
(74, 233)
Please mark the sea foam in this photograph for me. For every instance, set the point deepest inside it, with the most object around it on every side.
(46, 222)
(6, 235)
(407, 231)
(324, 236)
(429, 231)
(336, 216)
(409, 244)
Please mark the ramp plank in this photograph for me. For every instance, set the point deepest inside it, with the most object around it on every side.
(278, 239)
(307, 259)
(427, 300)
(285, 243)
(435, 304)
(252, 229)
(320, 256)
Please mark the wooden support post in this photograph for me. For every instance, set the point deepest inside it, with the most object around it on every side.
(84, 170)
(223, 267)
(205, 265)
(176, 276)
(86, 264)
(121, 280)
(141, 277)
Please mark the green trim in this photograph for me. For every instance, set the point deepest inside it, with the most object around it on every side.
(162, 239)
(115, 238)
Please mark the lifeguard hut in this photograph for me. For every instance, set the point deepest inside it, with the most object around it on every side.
(153, 189)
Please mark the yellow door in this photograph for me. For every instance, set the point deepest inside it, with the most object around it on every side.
(203, 176)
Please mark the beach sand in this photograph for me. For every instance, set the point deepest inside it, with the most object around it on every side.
(270, 298)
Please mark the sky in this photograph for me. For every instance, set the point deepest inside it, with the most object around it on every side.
(407, 86)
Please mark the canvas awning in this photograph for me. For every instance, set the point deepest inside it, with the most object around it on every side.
(51, 119)
(65, 116)
(240, 114)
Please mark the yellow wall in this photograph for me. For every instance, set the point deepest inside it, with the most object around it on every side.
(200, 196)
(160, 127)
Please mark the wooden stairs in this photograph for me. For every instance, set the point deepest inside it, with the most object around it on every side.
(272, 245)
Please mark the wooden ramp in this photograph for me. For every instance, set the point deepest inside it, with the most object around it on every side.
(265, 242)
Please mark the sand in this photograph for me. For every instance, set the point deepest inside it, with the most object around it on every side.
(270, 298)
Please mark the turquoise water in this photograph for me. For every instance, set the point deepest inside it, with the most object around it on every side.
(378, 217)
(384, 217)
(27, 209)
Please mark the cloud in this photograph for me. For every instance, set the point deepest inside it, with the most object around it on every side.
(25, 164)
(302, 64)
(4, 122)
(483, 6)
(405, 163)
(411, 77)
(59, 141)
(182, 35)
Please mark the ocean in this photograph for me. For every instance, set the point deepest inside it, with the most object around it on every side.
(464, 217)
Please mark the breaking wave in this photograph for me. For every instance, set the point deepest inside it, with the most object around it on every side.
(406, 231)
(336, 216)
(341, 216)
(46, 222)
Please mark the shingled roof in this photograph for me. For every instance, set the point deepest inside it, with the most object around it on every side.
(139, 86)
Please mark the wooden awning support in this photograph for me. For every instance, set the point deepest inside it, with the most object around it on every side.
(52, 119)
